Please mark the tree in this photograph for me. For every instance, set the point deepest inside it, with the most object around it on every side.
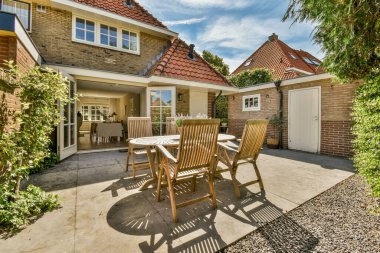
(252, 77)
(216, 62)
(349, 33)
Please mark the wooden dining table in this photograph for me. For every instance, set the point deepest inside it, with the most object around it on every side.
(166, 141)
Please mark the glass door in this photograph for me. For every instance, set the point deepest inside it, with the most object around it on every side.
(160, 105)
(68, 126)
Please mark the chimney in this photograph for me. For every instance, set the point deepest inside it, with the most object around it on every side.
(273, 37)
(191, 52)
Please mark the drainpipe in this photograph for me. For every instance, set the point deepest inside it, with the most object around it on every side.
(280, 110)
(213, 105)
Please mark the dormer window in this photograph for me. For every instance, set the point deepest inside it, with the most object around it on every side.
(21, 9)
(307, 60)
(105, 35)
(293, 56)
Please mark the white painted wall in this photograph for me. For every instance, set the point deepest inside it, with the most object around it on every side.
(198, 101)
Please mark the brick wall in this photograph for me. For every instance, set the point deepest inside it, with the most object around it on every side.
(12, 49)
(53, 29)
(336, 107)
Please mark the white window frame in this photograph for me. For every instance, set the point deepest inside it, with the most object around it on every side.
(97, 35)
(41, 8)
(30, 13)
(85, 31)
(253, 108)
(101, 109)
(108, 35)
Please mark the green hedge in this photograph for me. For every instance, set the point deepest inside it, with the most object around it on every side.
(367, 131)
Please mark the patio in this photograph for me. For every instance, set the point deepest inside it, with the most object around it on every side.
(103, 211)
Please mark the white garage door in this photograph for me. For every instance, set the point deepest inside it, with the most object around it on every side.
(304, 119)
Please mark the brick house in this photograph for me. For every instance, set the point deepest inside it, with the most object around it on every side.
(316, 110)
(118, 57)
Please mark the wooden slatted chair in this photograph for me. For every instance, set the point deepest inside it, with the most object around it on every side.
(137, 127)
(247, 152)
(196, 156)
(171, 128)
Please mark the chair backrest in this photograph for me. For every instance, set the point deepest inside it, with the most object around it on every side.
(198, 143)
(171, 127)
(253, 138)
(139, 127)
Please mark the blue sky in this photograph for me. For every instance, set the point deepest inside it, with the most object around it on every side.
(232, 29)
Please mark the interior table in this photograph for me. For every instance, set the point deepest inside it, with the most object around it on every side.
(166, 141)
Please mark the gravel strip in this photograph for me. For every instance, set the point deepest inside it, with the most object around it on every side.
(338, 220)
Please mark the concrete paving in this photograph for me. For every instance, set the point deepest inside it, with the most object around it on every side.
(103, 211)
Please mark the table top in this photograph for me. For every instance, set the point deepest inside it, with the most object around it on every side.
(171, 140)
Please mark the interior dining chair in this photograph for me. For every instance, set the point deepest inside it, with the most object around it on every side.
(137, 127)
(171, 128)
(196, 156)
(247, 152)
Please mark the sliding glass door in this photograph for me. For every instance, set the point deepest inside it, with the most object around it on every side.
(160, 105)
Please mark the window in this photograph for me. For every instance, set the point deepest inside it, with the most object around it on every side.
(21, 9)
(315, 62)
(251, 103)
(105, 35)
(247, 63)
(85, 112)
(293, 56)
(307, 60)
(129, 40)
(95, 112)
(84, 30)
(41, 8)
(108, 35)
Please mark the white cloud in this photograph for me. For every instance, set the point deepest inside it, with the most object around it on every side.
(184, 21)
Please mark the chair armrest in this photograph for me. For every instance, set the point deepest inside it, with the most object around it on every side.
(166, 153)
(222, 145)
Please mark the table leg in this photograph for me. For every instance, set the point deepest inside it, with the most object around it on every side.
(153, 180)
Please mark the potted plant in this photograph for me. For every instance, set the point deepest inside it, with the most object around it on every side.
(224, 122)
(276, 122)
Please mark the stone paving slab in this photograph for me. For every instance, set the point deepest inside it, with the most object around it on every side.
(103, 211)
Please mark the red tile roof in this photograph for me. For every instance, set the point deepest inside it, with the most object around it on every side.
(175, 63)
(136, 11)
(275, 55)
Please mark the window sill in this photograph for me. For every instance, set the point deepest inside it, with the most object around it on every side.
(106, 47)
(251, 110)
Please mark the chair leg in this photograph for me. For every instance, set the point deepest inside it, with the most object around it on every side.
(128, 155)
(235, 183)
(258, 175)
(160, 169)
(193, 183)
(212, 189)
(172, 196)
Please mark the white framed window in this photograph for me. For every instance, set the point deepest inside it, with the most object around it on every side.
(21, 9)
(95, 112)
(247, 63)
(85, 112)
(251, 103)
(108, 35)
(101, 34)
(41, 8)
(85, 30)
(293, 56)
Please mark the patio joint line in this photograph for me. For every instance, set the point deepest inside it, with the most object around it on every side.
(285, 198)
(75, 209)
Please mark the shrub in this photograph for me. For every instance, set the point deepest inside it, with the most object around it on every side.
(252, 77)
(28, 206)
(222, 108)
(45, 164)
(367, 131)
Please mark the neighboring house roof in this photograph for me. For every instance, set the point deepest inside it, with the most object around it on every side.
(135, 11)
(284, 61)
(175, 63)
